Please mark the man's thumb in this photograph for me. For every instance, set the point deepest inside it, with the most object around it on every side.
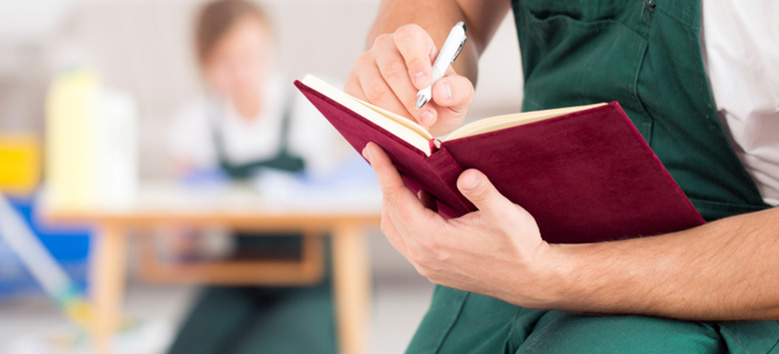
(475, 186)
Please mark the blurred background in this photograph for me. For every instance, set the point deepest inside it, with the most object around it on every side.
(140, 56)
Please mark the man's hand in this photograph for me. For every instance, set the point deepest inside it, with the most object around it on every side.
(723, 270)
(398, 65)
(483, 251)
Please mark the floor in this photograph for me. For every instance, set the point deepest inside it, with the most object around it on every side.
(400, 299)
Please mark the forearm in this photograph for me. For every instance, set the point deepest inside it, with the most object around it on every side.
(438, 17)
(724, 270)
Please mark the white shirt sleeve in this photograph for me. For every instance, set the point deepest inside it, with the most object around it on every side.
(740, 51)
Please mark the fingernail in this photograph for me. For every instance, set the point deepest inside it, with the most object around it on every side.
(420, 78)
(426, 118)
(469, 181)
(366, 153)
(447, 91)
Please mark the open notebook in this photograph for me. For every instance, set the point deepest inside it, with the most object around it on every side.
(584, 173)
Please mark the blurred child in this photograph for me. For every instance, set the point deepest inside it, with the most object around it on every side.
(247, 122)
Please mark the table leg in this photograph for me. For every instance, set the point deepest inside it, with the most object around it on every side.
(107, 276)
(352, 288)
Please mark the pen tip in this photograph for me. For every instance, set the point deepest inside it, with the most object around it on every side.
(421, 101)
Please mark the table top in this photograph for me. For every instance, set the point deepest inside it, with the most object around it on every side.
(230, 205)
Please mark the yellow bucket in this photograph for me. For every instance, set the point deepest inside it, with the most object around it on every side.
(20, 163)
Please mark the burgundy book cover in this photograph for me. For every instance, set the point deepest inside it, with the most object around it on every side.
(587, 176)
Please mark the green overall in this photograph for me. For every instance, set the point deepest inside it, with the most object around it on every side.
(646, 55)
(232, 319)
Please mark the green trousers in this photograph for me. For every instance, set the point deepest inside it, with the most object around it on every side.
(267, 320)
(237, 320)
(482, 324)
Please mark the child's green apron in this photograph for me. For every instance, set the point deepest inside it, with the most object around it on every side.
(252, 319)
(646, 55)
(283, 160)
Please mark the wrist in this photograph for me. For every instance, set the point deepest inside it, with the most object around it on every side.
(558, 271)
(543, 280)
(579, 282)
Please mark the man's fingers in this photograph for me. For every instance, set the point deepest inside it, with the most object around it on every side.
(352, 87)
(396, 67)
(475, 186)
(454, 92)
(403, 205)
(395, 73)
(387, 174)
(418, 50)
(452, 97)
(378, 92)
(391, 233)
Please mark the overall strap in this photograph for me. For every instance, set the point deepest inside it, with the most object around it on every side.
(217, 135)
(286, 122)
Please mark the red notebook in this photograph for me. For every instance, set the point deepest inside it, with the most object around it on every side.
(584, 173)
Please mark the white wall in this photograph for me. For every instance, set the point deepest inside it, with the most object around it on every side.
(144, 47)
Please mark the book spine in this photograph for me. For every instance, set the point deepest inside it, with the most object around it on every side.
(447, 170)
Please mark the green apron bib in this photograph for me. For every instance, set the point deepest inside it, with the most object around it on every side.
(284, 160)
(646, 55)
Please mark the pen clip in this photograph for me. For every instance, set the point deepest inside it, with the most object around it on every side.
(459, 49)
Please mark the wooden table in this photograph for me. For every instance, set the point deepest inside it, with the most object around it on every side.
(236, 208)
